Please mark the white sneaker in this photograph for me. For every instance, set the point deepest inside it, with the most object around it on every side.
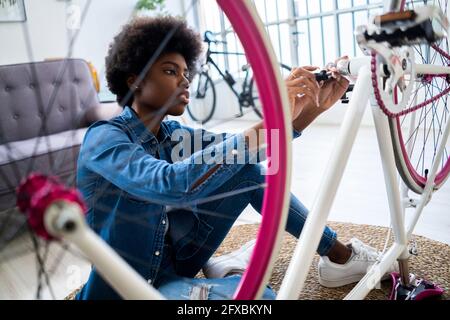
(333, 275)
(233, 262)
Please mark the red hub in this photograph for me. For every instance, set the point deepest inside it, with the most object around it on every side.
(36, 193)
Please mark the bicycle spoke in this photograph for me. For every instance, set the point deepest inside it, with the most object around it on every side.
(424, 139)
(47, 260)
(41, 268)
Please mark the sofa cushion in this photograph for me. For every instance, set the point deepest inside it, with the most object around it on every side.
(42, 98)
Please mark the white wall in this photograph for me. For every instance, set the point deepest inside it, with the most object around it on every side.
(45, 21)
(50, 24)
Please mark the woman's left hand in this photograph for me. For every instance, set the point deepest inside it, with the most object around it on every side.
(302, 88)
(333, 89)
(330, 91)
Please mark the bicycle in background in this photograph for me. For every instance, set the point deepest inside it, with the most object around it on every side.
(203, 90)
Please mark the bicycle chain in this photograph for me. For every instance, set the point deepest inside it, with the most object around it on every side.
(373, 68)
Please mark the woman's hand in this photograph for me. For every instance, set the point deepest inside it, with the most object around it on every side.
(330, 91)
(303, 89)
(333, 89)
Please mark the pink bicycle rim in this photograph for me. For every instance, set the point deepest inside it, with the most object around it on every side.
(418, 178)
(259, 58)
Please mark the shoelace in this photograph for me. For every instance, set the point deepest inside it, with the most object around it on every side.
(370, 253)
(364, 251)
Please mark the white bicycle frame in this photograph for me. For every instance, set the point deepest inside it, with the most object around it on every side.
(397, 196)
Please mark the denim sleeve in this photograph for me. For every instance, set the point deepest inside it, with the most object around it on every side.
(109, 152)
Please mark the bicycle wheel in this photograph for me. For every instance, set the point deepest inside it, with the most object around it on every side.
(243, 17)
(417, 134)
(255, 101)
(203, 98)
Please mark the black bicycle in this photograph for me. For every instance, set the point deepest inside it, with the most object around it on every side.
(203, 92)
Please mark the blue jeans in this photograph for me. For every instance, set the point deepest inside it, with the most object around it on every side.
(180, 288)
(184, 259)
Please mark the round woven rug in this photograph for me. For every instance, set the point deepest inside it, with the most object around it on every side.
(432, 262)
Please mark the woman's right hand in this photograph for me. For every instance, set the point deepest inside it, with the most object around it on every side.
(302, 88)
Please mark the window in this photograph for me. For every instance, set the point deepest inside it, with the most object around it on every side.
(302, 32)
(325, 28)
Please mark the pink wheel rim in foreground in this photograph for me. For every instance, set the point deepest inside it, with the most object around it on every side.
(272, 210)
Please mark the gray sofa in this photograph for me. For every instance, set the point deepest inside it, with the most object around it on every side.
(46, 108)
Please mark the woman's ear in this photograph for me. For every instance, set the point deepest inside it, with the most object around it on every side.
(130, 83)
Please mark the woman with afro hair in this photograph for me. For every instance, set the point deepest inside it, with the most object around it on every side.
(159, 205)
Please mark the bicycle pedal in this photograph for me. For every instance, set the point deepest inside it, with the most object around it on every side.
(424, 25)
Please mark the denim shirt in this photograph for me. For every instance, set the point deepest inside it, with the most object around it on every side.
(128, 179)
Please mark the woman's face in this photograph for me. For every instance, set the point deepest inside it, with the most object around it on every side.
(165, 86)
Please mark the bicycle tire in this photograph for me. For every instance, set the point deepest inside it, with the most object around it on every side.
(414, 153)
(199, 109)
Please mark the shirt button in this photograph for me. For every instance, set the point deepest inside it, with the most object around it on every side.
(164, 222)
(149, 281)
(234, 152)
(156, 253)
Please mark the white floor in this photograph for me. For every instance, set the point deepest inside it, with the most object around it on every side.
(361, 199)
